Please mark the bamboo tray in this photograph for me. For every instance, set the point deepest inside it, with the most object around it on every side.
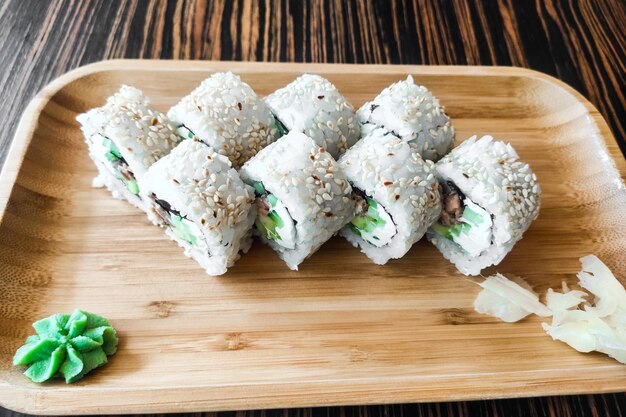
(340, 331)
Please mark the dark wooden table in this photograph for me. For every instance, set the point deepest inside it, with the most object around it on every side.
(582, 43)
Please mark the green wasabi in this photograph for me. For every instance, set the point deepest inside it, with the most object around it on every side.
(67, 346)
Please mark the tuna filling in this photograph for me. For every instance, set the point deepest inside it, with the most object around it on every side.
(103, 149)
(463, 222)
(273, 220)
(371, 223)
(182, 227)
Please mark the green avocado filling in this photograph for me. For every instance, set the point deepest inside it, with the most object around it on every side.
(373, 224)
(181, 228)
(113, 153)
(185, 132)
(259, 189)
(282, 130)
(180, 225)
(370, 220)
(273, 220)
(450, 232)
(133, 187)
(267, 225)
(117, 162)
(472, 232)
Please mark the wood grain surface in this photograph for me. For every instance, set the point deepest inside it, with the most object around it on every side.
(581, 43)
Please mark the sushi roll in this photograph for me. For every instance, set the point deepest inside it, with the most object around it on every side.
(312, 105)
(225, 113)
(396, 193)
(204, 206)
(302, 196)
(412, 113)
(490, 198)
(124, 138)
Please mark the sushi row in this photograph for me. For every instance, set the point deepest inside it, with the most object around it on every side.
(300, 166)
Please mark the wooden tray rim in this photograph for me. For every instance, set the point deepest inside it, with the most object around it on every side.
(34, 400)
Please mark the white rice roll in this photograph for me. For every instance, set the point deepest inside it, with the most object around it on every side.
(490, 198)
(397, 195)
(302, 196)
(202, 203)
(412, 113)
(225, 113)
(124, 138)
(312, 105)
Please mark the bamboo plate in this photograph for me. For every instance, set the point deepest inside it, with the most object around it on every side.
(340, 331)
